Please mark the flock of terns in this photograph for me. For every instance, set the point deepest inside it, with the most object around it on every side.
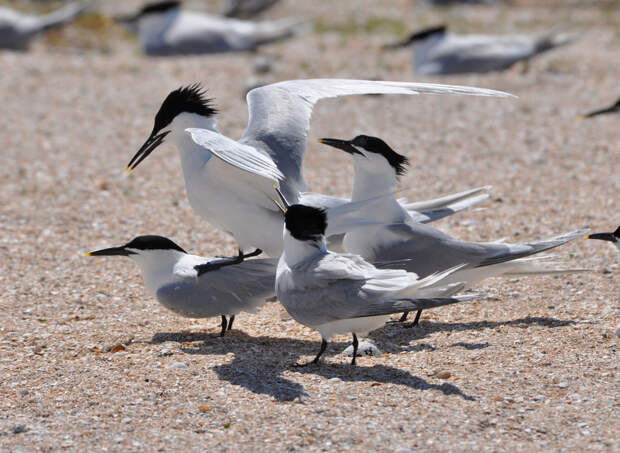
(337, 265)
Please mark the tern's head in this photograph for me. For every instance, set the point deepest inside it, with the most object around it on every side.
(185, 107)
(614, 237)
(371, 154)
(148, 10)
(305, 223)
(143, 248)
(418, 36)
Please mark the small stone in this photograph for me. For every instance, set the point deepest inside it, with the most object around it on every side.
(334, 380)
(177, 365)
(19, 429)
(363, 348)
(606, 270)
(119, 439)
(165, 352)
(443, 375)
(262, 65)
(563, 385)
(618, 330)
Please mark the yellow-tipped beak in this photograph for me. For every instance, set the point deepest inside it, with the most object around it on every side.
(87, 254)
(320, 140)
(580, 117)
(279, 205)
(128, 170)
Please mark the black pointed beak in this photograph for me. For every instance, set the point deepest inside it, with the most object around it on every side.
(601, 112)
(113, 251)
(344, 145)
(151, 143)
(603, 237)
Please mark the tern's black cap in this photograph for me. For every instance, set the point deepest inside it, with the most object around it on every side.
(189, 99)
(152, 242)
(305, 223)
(376, 145)
(158, 7)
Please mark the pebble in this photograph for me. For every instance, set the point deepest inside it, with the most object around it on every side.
(177, 365)
(262, 65)
(618, 330)
(363, 348)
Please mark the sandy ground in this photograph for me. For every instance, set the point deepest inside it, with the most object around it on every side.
(89, 361)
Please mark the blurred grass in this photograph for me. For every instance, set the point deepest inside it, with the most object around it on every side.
(354, 27)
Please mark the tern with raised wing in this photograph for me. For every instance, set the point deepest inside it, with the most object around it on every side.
(230, 183)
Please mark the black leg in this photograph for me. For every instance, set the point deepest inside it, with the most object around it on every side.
(223, 332)
(318, 356)
(355, 343)
(403, 318)
(210, 266)
(230, 321)
(416, 321)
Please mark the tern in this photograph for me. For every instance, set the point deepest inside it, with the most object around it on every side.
(165, 28)
(615, 108)
(17, 29)
(342, 293)
(426, 250)
(247, 8)
(614, 237)
(230, 183)
(438, 51)
(197, 287)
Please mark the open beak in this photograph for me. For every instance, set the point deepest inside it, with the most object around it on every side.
(113, 251)
(344, 145)
(283, 204)
(151, 143)
(603, 237)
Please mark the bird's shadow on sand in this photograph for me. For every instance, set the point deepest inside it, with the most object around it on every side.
(398, 335)
(260, 361)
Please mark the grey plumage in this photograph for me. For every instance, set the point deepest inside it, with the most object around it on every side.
(17, 29)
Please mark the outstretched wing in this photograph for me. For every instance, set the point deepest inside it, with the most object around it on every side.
(280, 114)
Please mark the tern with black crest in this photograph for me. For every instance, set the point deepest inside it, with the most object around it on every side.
(342, 293)
(166, 28)
(437, 51)
(197, 287)
(397, 237)
(230, 182)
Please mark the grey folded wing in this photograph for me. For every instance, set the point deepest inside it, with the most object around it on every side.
(227, 291)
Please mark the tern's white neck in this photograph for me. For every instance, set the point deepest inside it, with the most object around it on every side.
(373, 176)
(193, 156)
(296, 251)
(158, 266)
